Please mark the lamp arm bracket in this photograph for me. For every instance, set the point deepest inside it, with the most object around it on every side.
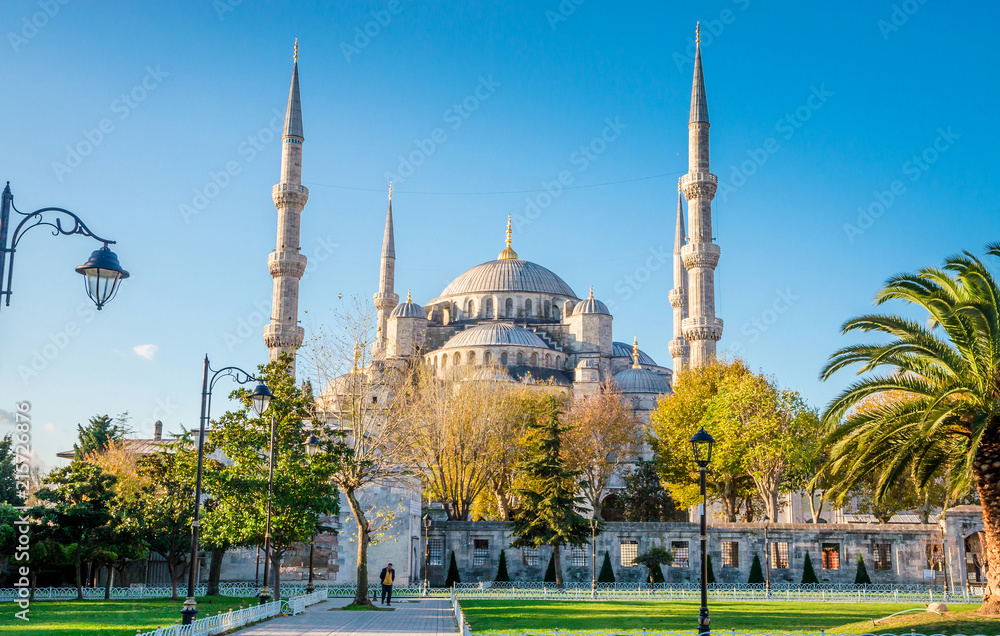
(236, 373)
(37, 218)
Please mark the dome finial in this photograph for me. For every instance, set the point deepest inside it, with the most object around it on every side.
(408, 299)
(635, 354)
(296, 56)
(390, 190)
(591, 296)
(508, 253)
(697, 33)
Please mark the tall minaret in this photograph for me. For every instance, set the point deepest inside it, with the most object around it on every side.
(679, 348)
(286, 263)
(386, 300)
(702, 329)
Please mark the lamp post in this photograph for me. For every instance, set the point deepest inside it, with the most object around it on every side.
(593, 557)
(102, 271)
(265, 591)
(767, 558)
(427, 553)
(312, 448)
(701, 446)
(261, 399)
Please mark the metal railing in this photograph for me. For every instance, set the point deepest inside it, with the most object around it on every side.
(221, 623)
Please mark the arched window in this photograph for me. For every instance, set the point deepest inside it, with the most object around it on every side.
(568, 307)
(503, 358)
(470, 311)
(487, 357)
(534, 359)
(520, 358)
(458, 359)
(489, 307)
(555, 311)
(444, 361)
(509, 308)
(557, 361)
(548, 310)
(548, 359)
(472, 357)
(454, 311)
(527, 309)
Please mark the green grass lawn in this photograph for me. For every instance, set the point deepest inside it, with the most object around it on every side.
(774, 616)
(111, 618)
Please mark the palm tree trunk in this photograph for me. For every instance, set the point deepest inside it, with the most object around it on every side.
(986, 470)
(361, 591)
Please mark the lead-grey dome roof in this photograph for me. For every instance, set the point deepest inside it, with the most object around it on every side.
(622, 350)
(591, 306)
(508, 275)
(495, 334)
(409, 309)
(641, 381)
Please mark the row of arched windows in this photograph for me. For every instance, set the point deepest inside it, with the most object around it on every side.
(553, 309)
(505, 359)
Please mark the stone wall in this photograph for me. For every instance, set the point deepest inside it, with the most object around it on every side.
(842, 543)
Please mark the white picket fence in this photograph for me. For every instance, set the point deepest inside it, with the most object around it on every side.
(222, 623)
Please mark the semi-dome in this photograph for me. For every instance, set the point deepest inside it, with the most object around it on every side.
(495, 334)
(591, 306)
(409, 309)
(634, 380)
(508, 275)
(622, 350)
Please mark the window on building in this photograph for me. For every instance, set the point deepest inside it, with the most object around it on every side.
(480, 552)
(520, 358)
(503, 358)
(527, 309)
(489, 307)
(509, 308)
(457, 358)
(681, 554)
(779, 555)
(487, 357)
(883, 556)
(629, 551)
(534, 359)
(935, 558)
(730, 554)
(548, 359)
(436, 548)
(529, 556)
(831, 556)
(577, 556)
(444, 361)
(472, 357)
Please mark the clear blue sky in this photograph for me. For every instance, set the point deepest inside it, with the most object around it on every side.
(882, 88)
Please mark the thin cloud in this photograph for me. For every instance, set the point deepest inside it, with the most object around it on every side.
(147, 351)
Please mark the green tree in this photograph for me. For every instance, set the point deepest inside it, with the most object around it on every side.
(453, 576)
(756, 571)
(100, 432)
(302, 490)
(643, 497)
(653, 558)
(43, 549)
(808, 573)
(711, 570)
(607, 574)
(502, 575)
(550, 510)
(8, 473)
(862, 578)
(948, 368)
(77, 502)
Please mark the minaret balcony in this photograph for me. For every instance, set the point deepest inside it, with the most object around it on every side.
(679, 348)
(702, 328)
(699, 185)
(700, 255)
(277, 335)
(285, 194)
(286, 264)
(678, 298)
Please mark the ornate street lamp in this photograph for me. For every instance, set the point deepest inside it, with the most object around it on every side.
(767, 558)
(312, 445)
(701, 446)
(103, 273)
(261, 398)
(427, 553)
(593, 557)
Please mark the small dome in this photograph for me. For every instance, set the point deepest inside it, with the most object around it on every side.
(622, 350)
(588, 363)
(641, 381)
(591, 306)
(493, 334)
(409, 309)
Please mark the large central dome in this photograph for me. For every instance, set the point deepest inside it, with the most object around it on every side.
(508, 275)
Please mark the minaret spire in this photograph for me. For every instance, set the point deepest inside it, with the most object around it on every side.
(679, 348)
(286, 263)
(508, 253)
(702, 329)
(386, 298)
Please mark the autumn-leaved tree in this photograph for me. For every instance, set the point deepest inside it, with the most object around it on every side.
(99, 433)
(603, 435)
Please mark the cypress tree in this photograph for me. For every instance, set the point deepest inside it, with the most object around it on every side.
(607, 574)
(658, 575)
(502, 568)
(453, 577)
(711, 570)
(550, 572)
(808, 574)
(756, 572)
(862, 577)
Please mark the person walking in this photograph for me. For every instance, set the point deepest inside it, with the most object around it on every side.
(387, 576)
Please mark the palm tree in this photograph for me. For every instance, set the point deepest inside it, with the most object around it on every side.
(947, 424)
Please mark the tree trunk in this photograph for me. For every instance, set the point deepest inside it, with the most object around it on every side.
(34, 584)
(172, 568)
(596, 505)
(816, 508)
(78, 566)
(215, 571)
(276, 573)
(986, 465)
(502, 507)
(361, 592)
(557, 563)
(107, 584)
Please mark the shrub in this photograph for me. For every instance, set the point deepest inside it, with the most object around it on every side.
(453, 577)
(808, 574)
(756, 572)
(607, 574)
(862, 577)
(550, 572)
(502, 568)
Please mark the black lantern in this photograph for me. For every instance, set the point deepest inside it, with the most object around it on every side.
(312, 445)
(261, 396)
(103, 275)
(701, 446)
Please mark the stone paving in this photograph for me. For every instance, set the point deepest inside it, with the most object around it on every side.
(431, 616)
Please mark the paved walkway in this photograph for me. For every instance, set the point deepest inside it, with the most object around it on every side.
(431, 616)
